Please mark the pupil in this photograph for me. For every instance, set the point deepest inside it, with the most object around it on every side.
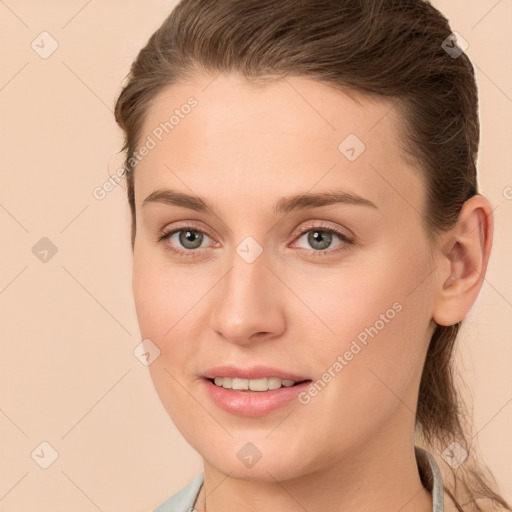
(188, 236)
(321, 237)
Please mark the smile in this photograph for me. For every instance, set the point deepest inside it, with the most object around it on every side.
(263, 384)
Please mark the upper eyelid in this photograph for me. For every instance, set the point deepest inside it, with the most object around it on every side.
(308, 225)
(187, 224)
(322, 225)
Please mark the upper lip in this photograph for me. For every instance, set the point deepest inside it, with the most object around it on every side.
(251, 372)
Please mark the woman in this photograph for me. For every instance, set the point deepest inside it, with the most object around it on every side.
(308, 236)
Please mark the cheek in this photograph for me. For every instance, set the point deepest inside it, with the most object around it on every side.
(379, 296)
(375, 331)
(171, 307)
(164, 303)
(166, 296)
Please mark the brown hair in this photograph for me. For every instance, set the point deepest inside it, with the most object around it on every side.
(385, 48)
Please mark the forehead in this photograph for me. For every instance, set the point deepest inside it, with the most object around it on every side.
(293, 106)
(286, 135)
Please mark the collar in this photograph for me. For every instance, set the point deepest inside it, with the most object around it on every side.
(434, 478)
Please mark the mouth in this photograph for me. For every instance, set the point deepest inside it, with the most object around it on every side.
(252, 391)
(253, 397)
(258, 385)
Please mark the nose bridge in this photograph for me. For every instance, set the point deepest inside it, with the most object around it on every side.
(247, 302)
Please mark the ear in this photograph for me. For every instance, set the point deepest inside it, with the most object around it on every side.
(462, 258)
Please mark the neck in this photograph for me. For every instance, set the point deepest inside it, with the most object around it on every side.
(379, 474)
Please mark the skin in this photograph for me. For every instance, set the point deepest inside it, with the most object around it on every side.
(242, 148)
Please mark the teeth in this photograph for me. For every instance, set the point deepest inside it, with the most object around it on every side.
(263, 384)
(239, 384)
(274, 383)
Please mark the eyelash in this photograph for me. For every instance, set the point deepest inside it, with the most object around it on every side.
(347, 241)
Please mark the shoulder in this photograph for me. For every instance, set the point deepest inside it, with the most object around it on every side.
(184, 499)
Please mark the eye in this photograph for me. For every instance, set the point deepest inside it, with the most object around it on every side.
(320, 238)
(184, 241)
(188, 240)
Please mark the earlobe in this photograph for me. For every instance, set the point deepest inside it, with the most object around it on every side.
(463, 256)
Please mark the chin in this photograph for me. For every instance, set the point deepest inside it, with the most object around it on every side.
(245, 460)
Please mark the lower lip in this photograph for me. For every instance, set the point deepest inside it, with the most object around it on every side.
(253, 403)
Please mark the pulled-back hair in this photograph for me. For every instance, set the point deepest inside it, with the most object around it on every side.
(385, 48)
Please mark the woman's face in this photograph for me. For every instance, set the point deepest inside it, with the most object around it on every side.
(335, 293)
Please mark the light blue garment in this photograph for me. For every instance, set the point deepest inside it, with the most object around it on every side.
(184, 499)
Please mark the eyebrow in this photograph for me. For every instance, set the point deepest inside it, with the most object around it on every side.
(301, 201)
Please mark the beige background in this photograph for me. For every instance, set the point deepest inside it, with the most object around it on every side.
(68, 373)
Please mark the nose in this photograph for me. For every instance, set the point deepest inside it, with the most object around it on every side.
(248, 305)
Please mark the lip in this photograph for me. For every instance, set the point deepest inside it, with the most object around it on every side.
(252, 372)
(252, 403)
